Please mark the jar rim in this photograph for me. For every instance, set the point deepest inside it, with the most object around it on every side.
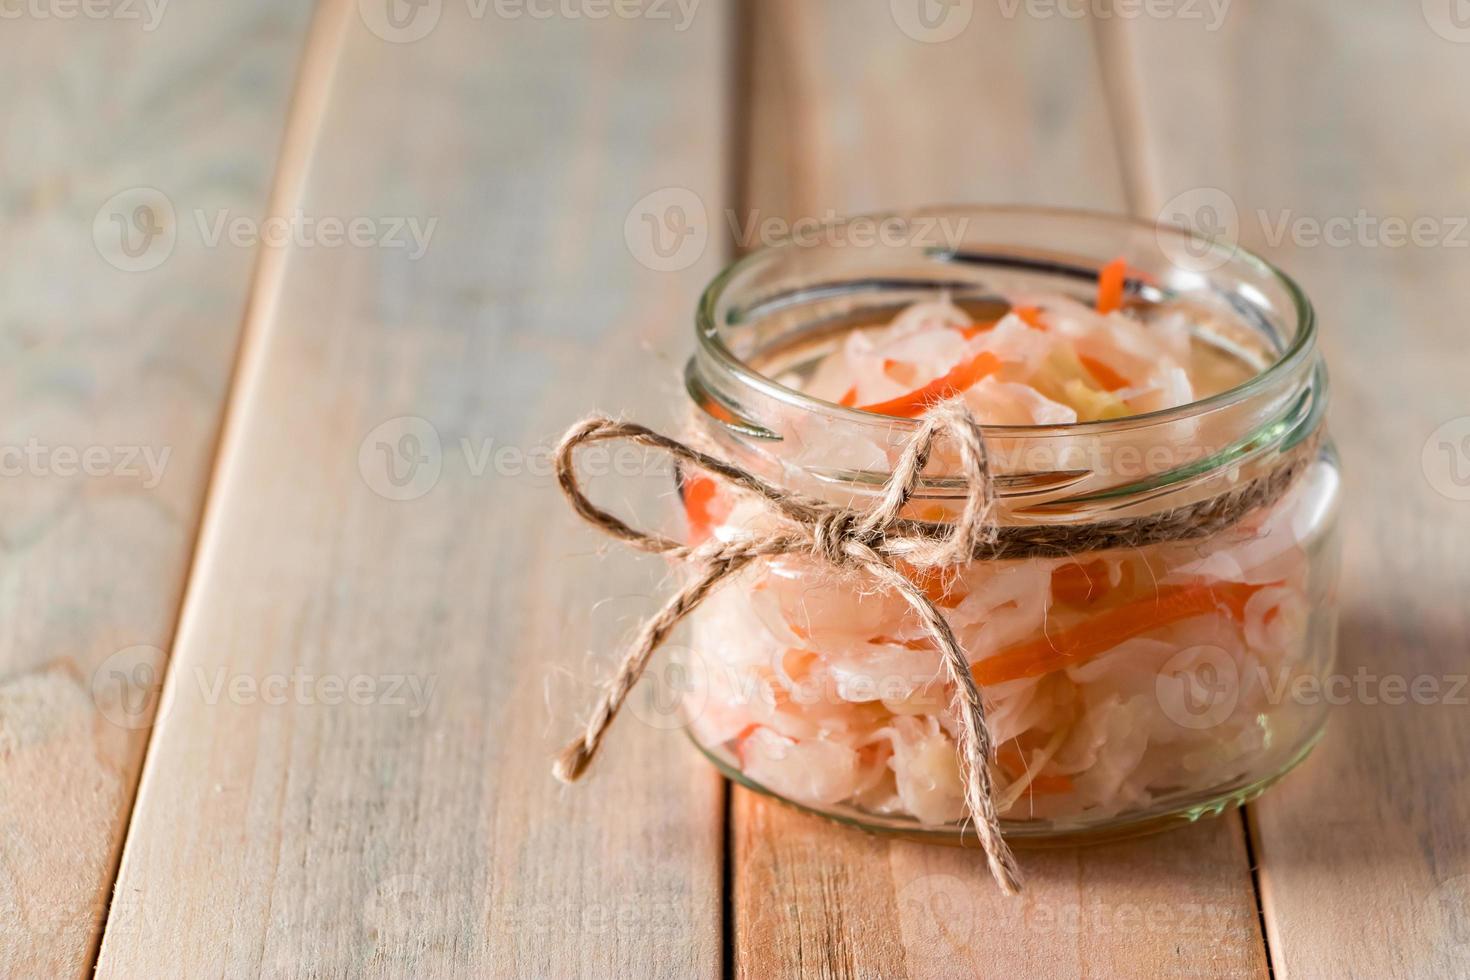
(1287, 362)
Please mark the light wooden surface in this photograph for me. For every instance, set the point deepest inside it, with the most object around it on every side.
(130, 363)
(420, 834)
(388, 620)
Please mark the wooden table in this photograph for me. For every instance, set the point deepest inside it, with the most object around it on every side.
(377, 619)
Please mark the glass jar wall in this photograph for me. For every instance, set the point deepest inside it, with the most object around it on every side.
(1125, 687)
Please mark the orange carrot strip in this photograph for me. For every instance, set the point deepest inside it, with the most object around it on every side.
(718, 411)
(699, 497)
(1110, 281)
(742, 737)
(1030, 315)
(940, 588)
(1010, 758)
(1049, 784)
(962, 376)
(849, 399)
(1014, 764)
(933, 513)
(1076, 583)
(918, 643)
(976, 329)
(1102, 632)
(1104, 375)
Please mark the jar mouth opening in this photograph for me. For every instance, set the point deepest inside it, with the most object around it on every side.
(1288, 361)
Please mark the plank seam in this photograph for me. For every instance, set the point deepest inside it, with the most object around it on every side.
(1123, 98)
(739, 114)
(1255, 866)
(321, 52)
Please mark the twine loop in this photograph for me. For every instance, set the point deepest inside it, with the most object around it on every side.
(845, 539)
(831, 534)
(885, 546)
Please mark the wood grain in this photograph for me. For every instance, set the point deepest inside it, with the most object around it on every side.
(297, 832)
(851, 113)
(847, 113)
(815, 900)
(128, 365)
(1364, 862)
(348, 773)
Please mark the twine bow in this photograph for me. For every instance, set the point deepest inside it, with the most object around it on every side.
(873, 541)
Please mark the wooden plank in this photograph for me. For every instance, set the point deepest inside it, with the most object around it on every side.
(1364, 862)
(387, 411)
(851, 112)
(814, 900)
(112, 386)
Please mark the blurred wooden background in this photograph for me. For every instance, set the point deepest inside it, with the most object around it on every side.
(318, 500)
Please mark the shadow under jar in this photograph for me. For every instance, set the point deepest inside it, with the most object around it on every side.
(1127, 687)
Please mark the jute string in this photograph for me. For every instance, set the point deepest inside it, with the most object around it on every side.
(875, 541)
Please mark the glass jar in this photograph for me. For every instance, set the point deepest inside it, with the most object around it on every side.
(1125, 688)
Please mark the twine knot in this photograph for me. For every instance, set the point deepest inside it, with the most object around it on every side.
(831, 535)
(874, 541)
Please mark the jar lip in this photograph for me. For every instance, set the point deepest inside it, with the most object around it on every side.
(1300, 349)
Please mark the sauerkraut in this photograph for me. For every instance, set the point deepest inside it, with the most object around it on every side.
(1110, 678)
